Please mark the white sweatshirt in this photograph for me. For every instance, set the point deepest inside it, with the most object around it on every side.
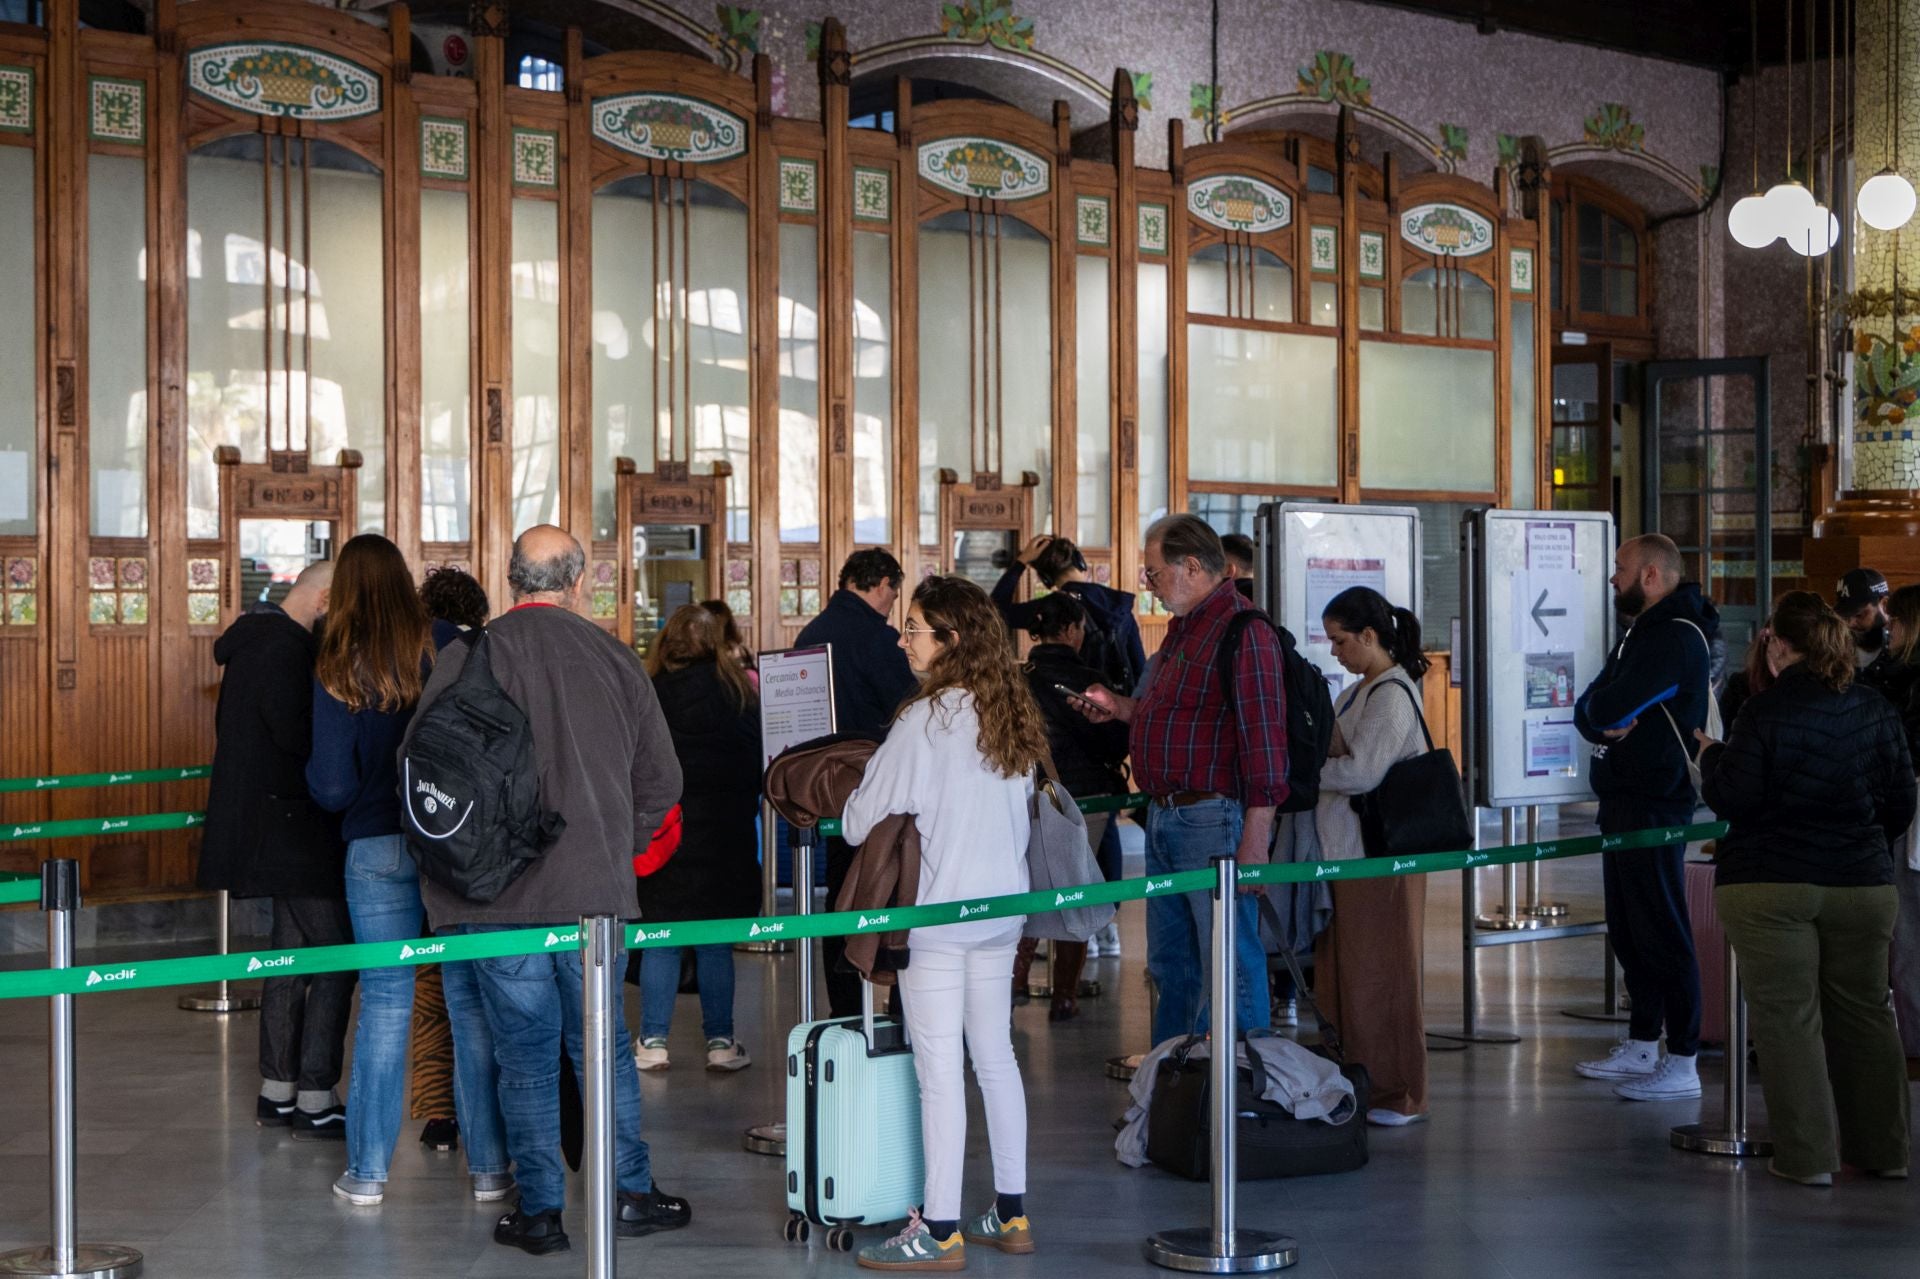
(973, 823)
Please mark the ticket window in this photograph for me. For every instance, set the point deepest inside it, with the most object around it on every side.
(984, 524)
(278, 517)
(982, 555)
(275, 552)
(670, 571)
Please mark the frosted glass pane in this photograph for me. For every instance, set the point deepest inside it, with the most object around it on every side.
(1272, 288)
(1476, 308)
(1420, 303)
(1373, 309)
(1093, 434)
(1426, 417)
(623, 320)
(19, 462)
(1151, 309)
(1025, 352)
(446, 433)
(1524, 408)
(872, 387)
(716, 307)
(1215, 278)
(1326, 304)
(348, 297)
(1207, 281)
(536, 364)
(1261, 406)
(116, 346)
(800, 475)
(226, 297)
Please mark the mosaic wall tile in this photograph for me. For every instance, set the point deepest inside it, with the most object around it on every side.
(536, 158)
(443, 148)
(789, 601)
(203, 609)
(1093, 215)
(117, 110)
(103, 608)
(16, 99)
(23, 573)
(741, 602)
(739, 30)
(1332, 77)
(606, 605)
(1520, 270)
(265, 78)
(1323, 242)
(1612, 126)
(799, 186)
(809, 572)
(203, 575)
(986, 168)
(667, 126)
(1236, 203)
(23, 609)
(988, 22)
(739, 572)
(604, 575)
(100, 573)
(133, 574)
(872, 195)
(1446, 229)
(1373, 256)
(133, 608)
(1152, 227)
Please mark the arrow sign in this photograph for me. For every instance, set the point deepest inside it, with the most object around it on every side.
(1540, 611)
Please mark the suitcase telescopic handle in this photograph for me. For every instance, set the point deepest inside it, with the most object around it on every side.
(866, 1019)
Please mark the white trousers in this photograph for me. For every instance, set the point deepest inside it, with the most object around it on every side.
(960, 1003)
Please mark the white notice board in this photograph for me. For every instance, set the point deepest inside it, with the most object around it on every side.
(1312, 551)
(1543, 608)
(796, 699)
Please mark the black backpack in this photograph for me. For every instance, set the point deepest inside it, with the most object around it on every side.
(468, 786)
(1309, 708)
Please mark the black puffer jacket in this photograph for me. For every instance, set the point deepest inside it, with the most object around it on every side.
(716, 872)
(1087, 756)
(1901, 686)
(1815, 785)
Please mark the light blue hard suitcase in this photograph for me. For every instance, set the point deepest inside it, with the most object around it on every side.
(853, 1126)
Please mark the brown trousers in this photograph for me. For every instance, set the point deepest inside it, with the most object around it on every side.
(431, 1067)
(1367, 983)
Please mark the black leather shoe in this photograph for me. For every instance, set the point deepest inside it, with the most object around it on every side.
(651, 1213)
(320, 1125)
(441, 1134)
(538, 1233)
(272, 1114)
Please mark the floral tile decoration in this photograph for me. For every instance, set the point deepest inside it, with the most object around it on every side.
(739, 572)
(118, 110)
(264, 78)
(872, 195)
(606, 605)
(23, 573)
(100, 573)
(133, 608)
(133, 574)
(103, 608)
(22, 610)
(809, 572)
(799, 186)
(203, 575)
(203, 609)
(659, 126)
(1332, 77)
(443, 148)
(741, 602)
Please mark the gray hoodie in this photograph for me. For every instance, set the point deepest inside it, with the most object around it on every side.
(605, 758)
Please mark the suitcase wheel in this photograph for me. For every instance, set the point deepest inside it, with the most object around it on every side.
(840, 1239)
(798, 1228)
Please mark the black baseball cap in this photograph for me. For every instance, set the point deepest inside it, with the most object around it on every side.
(1859, 588)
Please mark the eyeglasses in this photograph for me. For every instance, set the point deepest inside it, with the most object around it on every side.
(911, 630)
(1151, 576)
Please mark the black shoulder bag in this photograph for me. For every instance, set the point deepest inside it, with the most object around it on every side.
(1418, 806)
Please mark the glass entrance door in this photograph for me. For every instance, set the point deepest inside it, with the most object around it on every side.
(1708, 483)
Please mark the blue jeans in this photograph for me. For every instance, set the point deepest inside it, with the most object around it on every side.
(533, 1009)
(660, 985)
(383, 900)
(1180, 927)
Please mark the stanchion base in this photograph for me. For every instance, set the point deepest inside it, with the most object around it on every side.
(90, 1261)
(1596, 1014)
(1089, 989)
(1474, 1037)
(1252, 1251)
(1500, 923)
(214, 1004)
(1546, 910)
(1119, 1068)
(763, 947)
(1702, 1139)
(1445, 1045)
(767, 1139)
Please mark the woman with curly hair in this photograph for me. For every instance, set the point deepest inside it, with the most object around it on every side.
(960, 758)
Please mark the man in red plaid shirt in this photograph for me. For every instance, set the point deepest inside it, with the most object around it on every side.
(1216, 772)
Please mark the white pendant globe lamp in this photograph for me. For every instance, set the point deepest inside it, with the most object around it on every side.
(1886, 200)
(1817, 235)
(1750, 221)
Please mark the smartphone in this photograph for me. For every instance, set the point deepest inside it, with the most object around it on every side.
(1072, 696)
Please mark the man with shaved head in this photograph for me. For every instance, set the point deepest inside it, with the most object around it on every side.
(608, 771)
(1641, 713)
(266, 838)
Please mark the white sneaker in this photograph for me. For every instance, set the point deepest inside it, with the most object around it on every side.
(650, 1054)
(1110, 941)
(1093, 947)
(1383, 1118)
(1676, 1080)
(727, 1054)
(1630, 1059)
(1287, 1013)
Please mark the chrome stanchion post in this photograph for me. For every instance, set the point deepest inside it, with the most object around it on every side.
(224, 1000)
(771, 1139)
(66, 1257)
(599, 943)
(1535, 908)
(1509, 916)
(1470, 1032)
(1223, 1248)
(769, 880)
(1733, 1136)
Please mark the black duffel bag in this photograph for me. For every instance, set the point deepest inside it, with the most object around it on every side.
(1418, 807)
(1272, 1143)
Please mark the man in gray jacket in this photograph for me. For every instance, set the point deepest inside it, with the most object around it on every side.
(606, 766)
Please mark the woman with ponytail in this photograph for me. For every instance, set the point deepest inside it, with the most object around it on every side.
(1367, 963)
(1816, 785)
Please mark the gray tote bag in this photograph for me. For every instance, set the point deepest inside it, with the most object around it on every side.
(1060, 861)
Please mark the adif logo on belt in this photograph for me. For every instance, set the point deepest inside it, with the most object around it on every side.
(1061, 899)
(968, 911)
(759, 929)
(874, 922)
(658, 934)
(113, 823)
(1400, 865)
(1325, 869)
(118, 777)
(554, 939)
(409, 951)
(255, 964)
(435, 797)
(95, 977)
(22, 831)
(1159, 885)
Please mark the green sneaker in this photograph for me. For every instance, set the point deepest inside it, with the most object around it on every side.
(1008, 1236)
(915, 1248)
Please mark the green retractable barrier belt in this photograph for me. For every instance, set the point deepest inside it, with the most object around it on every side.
(75, 781)
(141, 974)
(15, 831)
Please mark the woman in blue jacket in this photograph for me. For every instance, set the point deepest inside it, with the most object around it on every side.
(374, 659)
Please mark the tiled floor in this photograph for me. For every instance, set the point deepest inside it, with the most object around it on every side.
(1524, 1170)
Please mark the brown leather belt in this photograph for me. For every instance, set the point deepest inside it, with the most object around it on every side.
(1184, 798)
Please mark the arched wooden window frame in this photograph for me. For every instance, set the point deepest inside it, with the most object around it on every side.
(1633, 334)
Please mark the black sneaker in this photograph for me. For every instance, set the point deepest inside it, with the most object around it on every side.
(272, 1114)
(650, 1213)
(320, 1125)
(441, 1134)
(538, 1233)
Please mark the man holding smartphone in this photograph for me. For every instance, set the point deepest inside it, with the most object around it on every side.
(1216, 771)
